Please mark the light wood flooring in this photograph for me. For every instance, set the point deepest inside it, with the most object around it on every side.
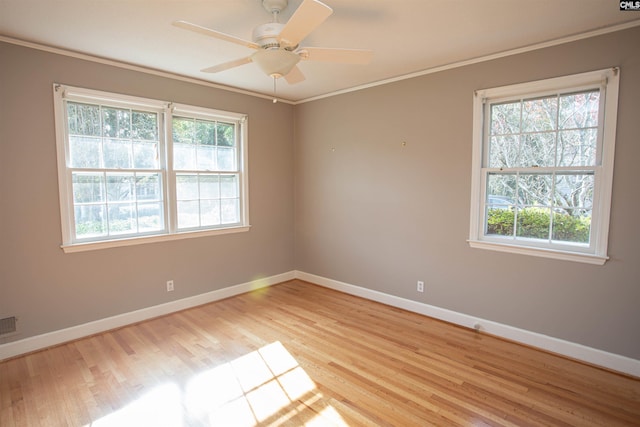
(299, 354)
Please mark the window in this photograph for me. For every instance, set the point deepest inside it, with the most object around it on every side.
(133, 170)
(543, 167)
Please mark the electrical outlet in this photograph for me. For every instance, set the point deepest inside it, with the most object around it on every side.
(169, 285)
(420, 287)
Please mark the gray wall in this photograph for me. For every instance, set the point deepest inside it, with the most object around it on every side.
(375, 214)
(50, 290)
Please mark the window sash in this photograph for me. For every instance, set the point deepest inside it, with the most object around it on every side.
(207, 199)
(556, 212)
(540, 210)
(108, 203)
(556, 131)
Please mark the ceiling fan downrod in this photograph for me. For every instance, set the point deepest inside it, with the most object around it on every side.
(274, 7)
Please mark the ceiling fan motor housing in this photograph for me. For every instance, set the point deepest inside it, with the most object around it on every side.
(266, 35)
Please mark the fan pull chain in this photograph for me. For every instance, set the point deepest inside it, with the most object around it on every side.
(275, 97)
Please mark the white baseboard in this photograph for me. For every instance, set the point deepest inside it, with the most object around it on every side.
(581, 352)
(594, 356)
(39, 342)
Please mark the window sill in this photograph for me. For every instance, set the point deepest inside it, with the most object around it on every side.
(539, 252)
(130, 241)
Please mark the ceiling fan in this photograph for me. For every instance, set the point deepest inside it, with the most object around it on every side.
(277, 45)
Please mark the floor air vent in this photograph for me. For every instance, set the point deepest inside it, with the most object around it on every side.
(8, 325)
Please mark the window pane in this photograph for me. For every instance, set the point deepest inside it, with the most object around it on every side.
(122, 218)
(184, 144)
(534, 189)
(574, 190)
(206, 157)
(150, 217)
(230, 211)
(145, 155)
(88, 187)
(533, 223)
(579, 110)
(184, 156)
(501, 188)
(209, 213)
(187, 187)
(209, 186)
(539, 115)
(83, 119)
(538, 150)
(117, 154)
(84, 152)
(188, 214)
(144, 126)
(225, 133)
(148, 187)
(499, 221)
(91, 221)
(205, 132)
(120, 187)
(577, 147)
(505, 118)
(116, 122)
(229, 186)
(503, 151)
(226, 159)
(183, 130)
(572, 225)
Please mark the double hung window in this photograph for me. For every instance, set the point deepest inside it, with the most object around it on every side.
(543, 167)
(133, 170)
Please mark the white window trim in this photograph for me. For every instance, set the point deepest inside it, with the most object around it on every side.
(63, 92)
(609, 78)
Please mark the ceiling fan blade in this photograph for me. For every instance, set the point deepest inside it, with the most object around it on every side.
(227, 65)
(304, 20)
(215, 34)
(294, 76)
(344, 56)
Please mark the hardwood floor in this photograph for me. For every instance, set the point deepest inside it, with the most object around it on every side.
(299, 354)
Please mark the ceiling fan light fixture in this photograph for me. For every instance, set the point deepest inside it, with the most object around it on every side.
(275, 62)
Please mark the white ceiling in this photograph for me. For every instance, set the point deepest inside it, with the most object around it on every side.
(407, 36)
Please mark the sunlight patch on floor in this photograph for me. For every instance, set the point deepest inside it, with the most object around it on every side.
(264, 386)
(160, 407)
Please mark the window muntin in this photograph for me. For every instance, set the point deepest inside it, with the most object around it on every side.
(133, 167)
(543, 159)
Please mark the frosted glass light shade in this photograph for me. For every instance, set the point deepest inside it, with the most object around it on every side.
(275, 62)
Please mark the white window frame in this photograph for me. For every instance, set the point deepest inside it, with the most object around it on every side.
(165, 110)
(607, 81)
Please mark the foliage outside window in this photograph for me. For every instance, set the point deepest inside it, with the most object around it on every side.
(543, 166)
(133, 170)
